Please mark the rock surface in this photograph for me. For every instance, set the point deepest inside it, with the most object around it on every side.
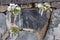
(53, 32)
(2, 24)
(31, 16)
(23, 35)
(33, 19)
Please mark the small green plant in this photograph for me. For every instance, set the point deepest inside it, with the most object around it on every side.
(14, 30)
(14, 9)
(44, 6)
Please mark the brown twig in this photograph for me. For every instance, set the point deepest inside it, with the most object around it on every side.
(15, 19)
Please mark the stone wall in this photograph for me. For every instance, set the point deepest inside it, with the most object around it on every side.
(23, 35)
(53, 32)
(25, 1)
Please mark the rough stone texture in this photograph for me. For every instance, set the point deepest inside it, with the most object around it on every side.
(25, 1)
(55, 4)
(53, 32)
(33, 19)
(5, 1)
(23, 35)
(26, 36)
(49, 0)
(3, 8)
(2, 24)
(30, 18)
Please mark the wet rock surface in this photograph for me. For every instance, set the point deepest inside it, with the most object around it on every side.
(53, 32)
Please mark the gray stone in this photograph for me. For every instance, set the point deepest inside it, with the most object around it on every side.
(53, 32)
(5, 2)
(49, 0)
(25, 1)
(30, 18)
(23, 35)
(33, 19)
(2, 24)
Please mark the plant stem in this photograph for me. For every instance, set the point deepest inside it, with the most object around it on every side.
(15, 19)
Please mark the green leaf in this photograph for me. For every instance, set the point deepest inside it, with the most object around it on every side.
(15, 12)
(15, 30)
